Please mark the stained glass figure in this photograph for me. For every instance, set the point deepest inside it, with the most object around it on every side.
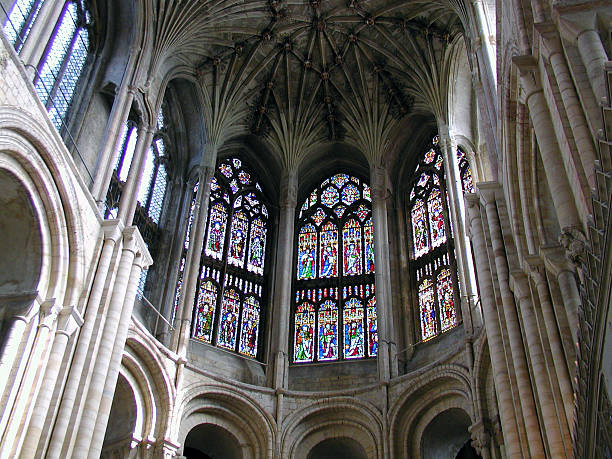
(307, 246)
(205, 312)
(303, 345)
(436, 219)
(353, 329)
(351, 235)
(445, 299)
(427, 309)
(238, 239)
(420, 235)
(328, 331)
(319, 216)
(329, 251)
(339, 180)
(257, 247)
(467, 180)
(423, 180)
(330, 196)
(368, 236)
(228, 319)
(249, 330)
(367, 192)
(372, 328)
(216, 231)
(350, 194)
(313, 198)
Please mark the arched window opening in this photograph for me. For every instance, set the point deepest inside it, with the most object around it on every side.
(335, 304)
(123, 161)
(230, 292)
(64, 60)
(465, 172)
(20, 20)
(433, 263)
(151, 194)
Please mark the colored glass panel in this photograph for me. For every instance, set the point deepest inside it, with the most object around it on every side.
(352, 317)
(303, 345)
(318, 216)
(350, 194)
(238, 239)
(307, 246)
(339, 210)
(313, 198)
(205, 312)
(423, 180)
(351, 239)
(468, 181)
(368, 237)
(330, 196)
(328, 331)
(234, 186)
(226, 170)
(367, 192)
(436, 219)
(372, 328)
(237, 163)
(228, 319)
(216, 231)
(362, 212)
(329, 251)
(244, 177)
(419, 229)
(249, 330)
(436, 140)
(430, 156)
(446, 301)
(427, 310)
(257, 247)
(339, 180)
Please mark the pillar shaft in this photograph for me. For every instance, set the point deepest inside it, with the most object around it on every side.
(283, 277)
(494, 336)
(41, 32)
(594, 57)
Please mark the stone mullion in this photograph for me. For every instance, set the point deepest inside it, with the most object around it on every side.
(494, 333)
(182, 325)
(511, 319)
(387, 363)
(283, 280)
(41, 32)
(142, 261)
(77, 373)
(107, 342)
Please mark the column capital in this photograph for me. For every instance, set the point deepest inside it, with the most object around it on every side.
(112, 229)
(550, 37)
(288, 189)
(480, 435)
(69, 320)
(527, 66)
(488, 192)
(134, 242)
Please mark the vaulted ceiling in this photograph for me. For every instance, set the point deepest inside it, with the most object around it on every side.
(302, 73)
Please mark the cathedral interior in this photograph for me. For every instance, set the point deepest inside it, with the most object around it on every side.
(311, 229)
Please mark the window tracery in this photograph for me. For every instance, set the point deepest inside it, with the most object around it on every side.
(335, 305)
(227, 310)
(433, 264)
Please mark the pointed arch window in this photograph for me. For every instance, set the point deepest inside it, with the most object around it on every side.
(433, 263)
(335, 305)
(230, 292)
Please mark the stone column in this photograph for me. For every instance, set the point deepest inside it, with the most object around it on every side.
(182, 325)
(107, 341)
(68, 322)
(556, 174)
(283, 277)
(571, 102)
(113, 230)
(41, 32)
(465, 268)
(142, 261)
(387, 359)
(517, 350)
(494, 336)
(537, 273)
(546, 399)
(129, 197)
(571, 299)
(405, 290)
(112, 141)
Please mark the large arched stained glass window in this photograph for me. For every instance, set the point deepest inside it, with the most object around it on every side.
(335, 304)
(433, 264)
(227, 310)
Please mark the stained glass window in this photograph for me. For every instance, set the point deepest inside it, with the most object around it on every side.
(20, 20)
(467, 182)
(123, 161)
(234, 260)
(335, 254)
(64, 60)
(432, 262)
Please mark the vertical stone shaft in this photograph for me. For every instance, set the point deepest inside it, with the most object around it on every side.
(41, 32)
(594, 57)
(494, 337)
(387, 361)
(512, 323)
(546, 398)
(105, 349)
(282, 278)
(141, 261)
(68, 398)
